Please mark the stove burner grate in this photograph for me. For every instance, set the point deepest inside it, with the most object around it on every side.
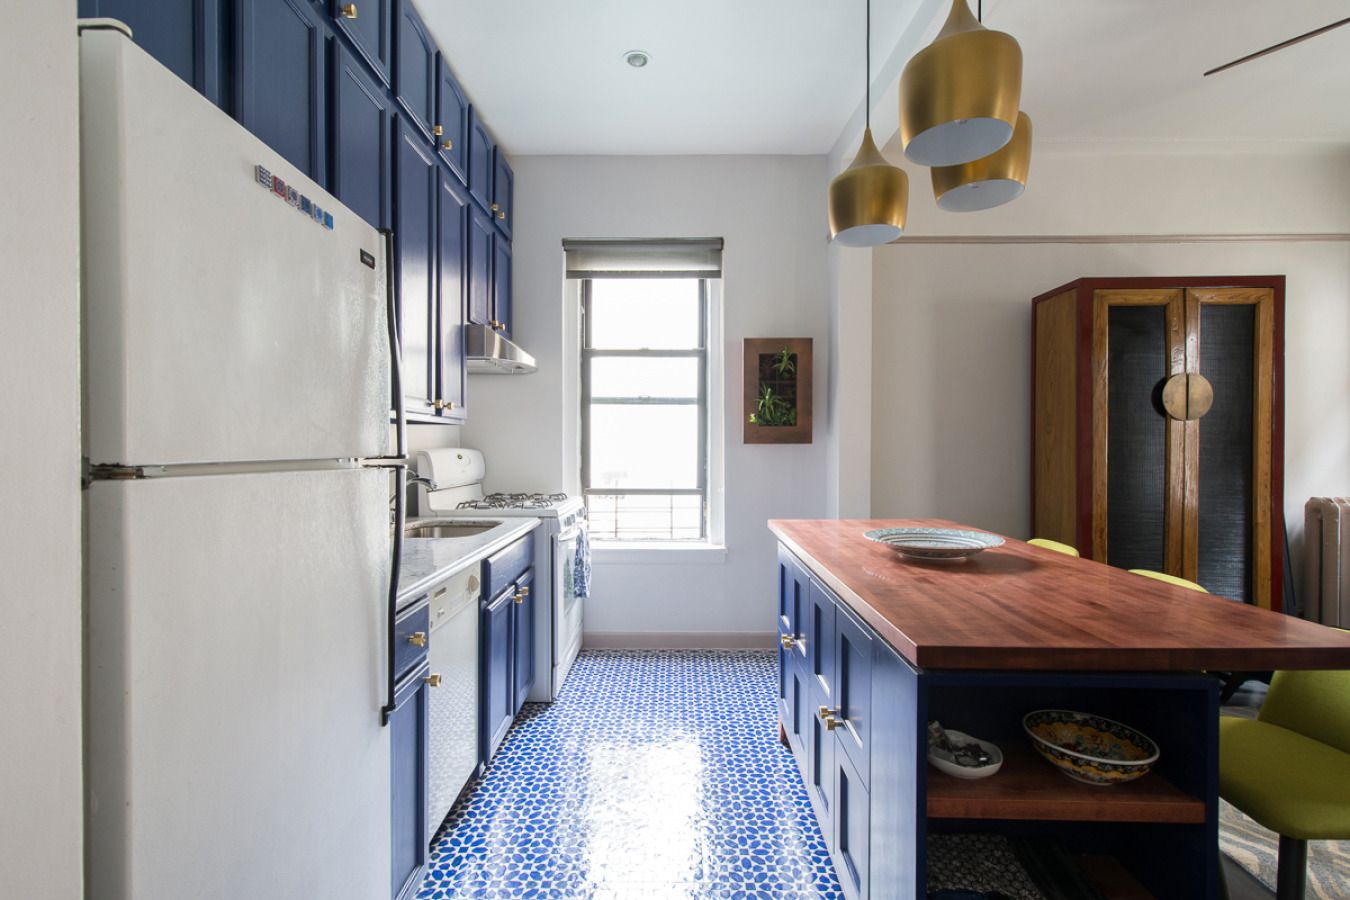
(515, 501)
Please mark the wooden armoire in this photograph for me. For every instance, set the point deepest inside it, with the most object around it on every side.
(1157, 427)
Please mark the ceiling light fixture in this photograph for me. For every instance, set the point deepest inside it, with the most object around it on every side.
(960, 95)
(637, 58)
(868, 200)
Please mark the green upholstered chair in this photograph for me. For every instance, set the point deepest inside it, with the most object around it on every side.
(1170, 579)
(1289, 768)
(1047, 544)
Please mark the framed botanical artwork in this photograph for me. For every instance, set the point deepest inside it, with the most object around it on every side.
(777, 374)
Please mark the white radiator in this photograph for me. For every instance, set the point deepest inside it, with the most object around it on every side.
(1326, 539)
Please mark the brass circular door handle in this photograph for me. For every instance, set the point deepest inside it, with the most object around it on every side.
(348, 11)
(1187, 396)
(418, 638)
(433, 680)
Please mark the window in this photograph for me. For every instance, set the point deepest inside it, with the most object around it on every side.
(644, 392)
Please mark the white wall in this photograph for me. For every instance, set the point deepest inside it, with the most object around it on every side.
(40, 662)
(770, 211)
(951, 342)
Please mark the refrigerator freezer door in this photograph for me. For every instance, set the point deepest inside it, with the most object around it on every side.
(222, 322)
(235, 675)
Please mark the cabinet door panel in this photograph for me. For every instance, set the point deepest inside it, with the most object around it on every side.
(369, 25)
(792, 704)
(820, 752)
(280, 92)
(186, 37)
(852, 812)
(501, 283)
(820, 643)
(480, 160)
(853, 688)
(522, 640)
(453, 236)
(452, 114)
(497, 696)
(416, 191)
(415, 72)
(362, 124)
(503, 191)
(408, 783)
(480, 266)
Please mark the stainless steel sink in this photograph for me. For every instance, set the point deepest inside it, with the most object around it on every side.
(450, 529)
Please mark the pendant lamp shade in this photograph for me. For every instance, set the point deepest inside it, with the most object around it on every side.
(959, 96)
(990, 181)
(869, 199)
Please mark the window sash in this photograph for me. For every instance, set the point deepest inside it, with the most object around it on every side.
(701, 401)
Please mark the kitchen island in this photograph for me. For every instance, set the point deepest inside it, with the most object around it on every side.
(874, 646)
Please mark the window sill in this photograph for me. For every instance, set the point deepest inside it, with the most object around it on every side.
(636, 553)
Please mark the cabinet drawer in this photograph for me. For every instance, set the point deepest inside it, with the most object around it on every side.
(505, 566)
(410, 637)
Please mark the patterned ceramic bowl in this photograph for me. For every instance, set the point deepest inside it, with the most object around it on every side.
(934, 543)
(1089, 748)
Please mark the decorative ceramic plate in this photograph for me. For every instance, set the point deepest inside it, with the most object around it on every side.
(1090, 748)
(962, 763)
(934, 543)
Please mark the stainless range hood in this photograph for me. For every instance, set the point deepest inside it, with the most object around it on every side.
(491, 354)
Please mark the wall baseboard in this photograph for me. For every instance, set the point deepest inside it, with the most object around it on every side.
(678, 640)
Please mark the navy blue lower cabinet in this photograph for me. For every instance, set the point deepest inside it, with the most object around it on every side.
(522, 640)
(452, 230)
(501, 283)
(852, 829)
(820, 751)
(361, 168)
(280, 84)
(408, 782)
(416, 189)
(853, 687)
(185, 36)
(821, 643)
(497, 699)
(898, 757)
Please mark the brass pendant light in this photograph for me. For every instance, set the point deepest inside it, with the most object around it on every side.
(960, 95)
(868, 200)
(988, 182)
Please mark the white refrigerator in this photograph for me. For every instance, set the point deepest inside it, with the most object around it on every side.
(239, 546)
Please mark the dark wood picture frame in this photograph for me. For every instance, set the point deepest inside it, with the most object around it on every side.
(792, 388)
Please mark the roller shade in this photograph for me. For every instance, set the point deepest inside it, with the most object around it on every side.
(663, 258)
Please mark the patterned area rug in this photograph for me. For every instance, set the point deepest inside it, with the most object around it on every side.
(1256, 848)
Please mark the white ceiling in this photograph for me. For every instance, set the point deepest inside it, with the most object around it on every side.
(785, 76)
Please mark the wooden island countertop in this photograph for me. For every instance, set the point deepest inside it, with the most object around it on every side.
(1020, 607)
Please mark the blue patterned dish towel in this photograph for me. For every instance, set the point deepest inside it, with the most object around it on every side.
(581, 568)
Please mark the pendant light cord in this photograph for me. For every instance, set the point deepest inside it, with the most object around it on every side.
(867, 88)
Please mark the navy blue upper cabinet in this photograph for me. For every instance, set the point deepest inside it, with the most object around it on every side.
(185, 36)
(279, 80)
(369, 25)
(452, 117)
(416, 187)
(453, 237)
(501, 284)
(360, 168)
(480, 160)
(480, 267)
(503, 187)
(415, 73)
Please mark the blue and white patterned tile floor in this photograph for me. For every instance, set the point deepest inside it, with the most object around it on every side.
(656, 774)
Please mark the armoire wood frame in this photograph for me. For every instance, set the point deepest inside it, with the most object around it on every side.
(1068, 397)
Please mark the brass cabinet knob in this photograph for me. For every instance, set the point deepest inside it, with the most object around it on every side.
(437, 131)
(447, 144)
(418, 638)
(501, 214)
(519, 598)
(826, 712)
(525, 590)
(494, 207)
(831, 723)
(444, 404)
(433, 680)
(788, 641)
(347, 11)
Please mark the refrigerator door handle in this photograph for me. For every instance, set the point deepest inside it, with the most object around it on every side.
(398, 463)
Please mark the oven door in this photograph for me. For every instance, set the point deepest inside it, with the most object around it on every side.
(566, 604)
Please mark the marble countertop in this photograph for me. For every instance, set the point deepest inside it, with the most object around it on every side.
(426, 561)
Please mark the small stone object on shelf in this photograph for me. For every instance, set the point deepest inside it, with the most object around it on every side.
(960, 755)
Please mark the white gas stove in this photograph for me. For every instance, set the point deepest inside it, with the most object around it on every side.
(456, 491)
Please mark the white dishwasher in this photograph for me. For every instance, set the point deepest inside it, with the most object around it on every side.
(452, 733)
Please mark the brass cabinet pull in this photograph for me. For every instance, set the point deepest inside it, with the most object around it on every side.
(831, 723)
(519, 598)
(348, 11)
(444, 404)
(418, 638)
(447, 144)
(788, 641)
(826, 712)
(494, 207)
(1187, 396)
(433, 680)
(437, 131)
(501, 214)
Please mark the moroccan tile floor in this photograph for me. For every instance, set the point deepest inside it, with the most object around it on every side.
(656, 774)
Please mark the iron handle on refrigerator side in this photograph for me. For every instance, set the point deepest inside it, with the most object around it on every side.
(399, 464)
